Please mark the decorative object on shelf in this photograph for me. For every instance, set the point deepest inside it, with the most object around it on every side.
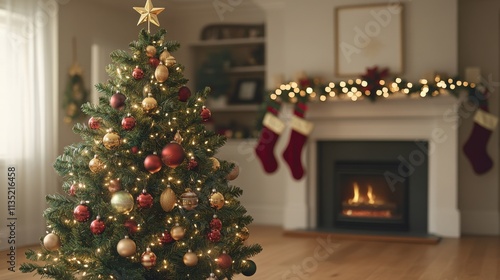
(248, 91)
(75, 94)
(232, 31)
(356, 30)
(213, 74)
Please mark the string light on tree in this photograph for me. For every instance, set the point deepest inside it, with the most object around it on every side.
(149, 177)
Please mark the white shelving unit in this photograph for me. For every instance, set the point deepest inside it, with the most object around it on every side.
(235, 61)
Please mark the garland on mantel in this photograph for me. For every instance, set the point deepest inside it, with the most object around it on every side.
(373, 85)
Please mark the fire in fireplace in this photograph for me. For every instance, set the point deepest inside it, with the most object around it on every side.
(370, 186)
(368, 196)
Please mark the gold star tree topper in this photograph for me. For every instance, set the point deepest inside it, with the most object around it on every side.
(149, 14)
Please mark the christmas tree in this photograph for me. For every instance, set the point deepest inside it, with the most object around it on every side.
(145, 196)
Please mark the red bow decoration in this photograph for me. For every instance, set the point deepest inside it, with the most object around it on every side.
(373, 77)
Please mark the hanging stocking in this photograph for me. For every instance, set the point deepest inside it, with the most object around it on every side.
(271, 130)
(475, 147)
(300, 130)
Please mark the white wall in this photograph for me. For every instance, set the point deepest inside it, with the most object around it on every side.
(300, 38)
(479, 46)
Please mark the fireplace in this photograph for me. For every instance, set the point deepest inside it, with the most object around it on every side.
(365, 197)
(431, 120)
(373, 186)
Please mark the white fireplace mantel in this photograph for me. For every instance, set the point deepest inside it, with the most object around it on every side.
(429, 119)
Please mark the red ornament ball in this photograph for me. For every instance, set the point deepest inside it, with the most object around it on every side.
(114, 185)
(128, 123)
(154, 62)
(117, 101)
(184, 94)
(148, 259)
(145, 200)
(166, 238)
(73, 189)
(138, 73)
(95, 123)
(152, 163)
(173, 155)
(224, 261)
(214, 235)
(131, 226)
(215, 223)
(97, 226)
(205, 114)
(134, 150)
(81, 213)
(192, 164)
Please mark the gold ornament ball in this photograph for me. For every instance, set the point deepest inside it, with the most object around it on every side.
(149, 104)
(96, 165)
(52, 242)
(150, 51)
(178, 232)
(217, 200)
(111, 140)
(190, 259)
(126, 247)
(122, 202)
(168, 199)
(243, 234)
(161, 73)
(215, 163)
(234, 173)
(170, 61)
(164, 55)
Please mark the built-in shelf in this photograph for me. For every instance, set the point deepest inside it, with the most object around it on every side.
(236, 108)
(230, 42)
(235, 68)
(247, 69)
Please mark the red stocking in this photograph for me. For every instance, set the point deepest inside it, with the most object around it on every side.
(475, 147)
(271, 130)
(300, 130)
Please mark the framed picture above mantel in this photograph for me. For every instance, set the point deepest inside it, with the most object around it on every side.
(367, 35)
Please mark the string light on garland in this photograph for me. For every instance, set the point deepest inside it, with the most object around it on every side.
(373, 85)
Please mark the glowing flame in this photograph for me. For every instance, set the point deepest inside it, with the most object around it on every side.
(355, 199)
(370, 195)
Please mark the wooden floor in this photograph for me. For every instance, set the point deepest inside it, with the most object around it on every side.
(301, 258)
